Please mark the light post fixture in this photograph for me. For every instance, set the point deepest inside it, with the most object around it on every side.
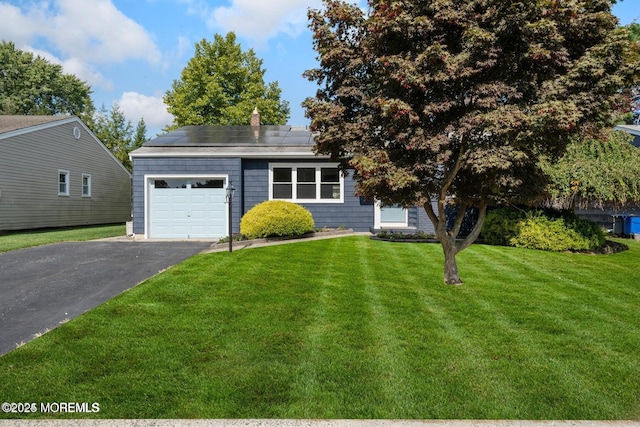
(230, 191)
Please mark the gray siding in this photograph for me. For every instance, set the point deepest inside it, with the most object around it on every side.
(29, 165)
(351, 214)
(183, 166)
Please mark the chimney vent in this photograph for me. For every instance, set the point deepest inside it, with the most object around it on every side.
(255, 118)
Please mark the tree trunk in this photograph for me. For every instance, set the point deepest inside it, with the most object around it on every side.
(450, 246)
(451, 276)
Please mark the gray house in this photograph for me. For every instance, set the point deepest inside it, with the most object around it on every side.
(179, 182)
(55, 173)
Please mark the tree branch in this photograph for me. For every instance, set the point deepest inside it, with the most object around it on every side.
(475, 232)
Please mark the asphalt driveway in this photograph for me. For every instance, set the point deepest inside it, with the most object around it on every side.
(44, 286)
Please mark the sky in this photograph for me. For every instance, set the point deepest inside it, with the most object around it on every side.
(131, 51)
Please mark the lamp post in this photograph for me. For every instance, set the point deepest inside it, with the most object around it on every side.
(230, 191)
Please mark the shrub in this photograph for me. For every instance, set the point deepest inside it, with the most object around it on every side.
(276, 218)
(501, 225)
(550, 231)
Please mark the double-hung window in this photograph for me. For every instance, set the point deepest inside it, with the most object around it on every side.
(63, 183)
(86, 185)
(306, 183)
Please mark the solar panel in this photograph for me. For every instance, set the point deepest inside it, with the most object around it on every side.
(229, 136)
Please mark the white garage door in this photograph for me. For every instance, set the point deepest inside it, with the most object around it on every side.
(187, 208)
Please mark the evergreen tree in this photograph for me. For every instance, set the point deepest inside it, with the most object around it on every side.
(140, 136)
(117, 134)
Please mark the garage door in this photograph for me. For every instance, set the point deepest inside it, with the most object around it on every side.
(187, 208)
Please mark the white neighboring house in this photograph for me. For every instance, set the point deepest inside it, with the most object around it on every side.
(54, 172)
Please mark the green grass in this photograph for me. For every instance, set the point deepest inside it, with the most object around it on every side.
(353, 328)
(10, 241)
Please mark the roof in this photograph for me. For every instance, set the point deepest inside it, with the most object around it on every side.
(230, 141)
(11, 126)
(12, 123)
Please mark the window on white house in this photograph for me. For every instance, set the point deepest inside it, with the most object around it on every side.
(63, 183)
(308, 183)
(86, 185)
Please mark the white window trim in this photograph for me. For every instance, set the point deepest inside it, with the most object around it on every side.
(318, 167)
(86, 175)
(67, 182)
(377, 220)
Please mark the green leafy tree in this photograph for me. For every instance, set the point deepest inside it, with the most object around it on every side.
(628, 108)
(30, 85)
(598, 171)
(634, 31)
(221, 85)
(454, 101)
(117, 133)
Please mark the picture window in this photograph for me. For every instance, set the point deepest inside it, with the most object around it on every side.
(306, 183)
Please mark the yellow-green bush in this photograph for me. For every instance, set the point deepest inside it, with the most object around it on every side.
(276, 218)
(544, 230)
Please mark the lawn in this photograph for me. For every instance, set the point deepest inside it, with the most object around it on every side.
(352, 328)
(10, 241)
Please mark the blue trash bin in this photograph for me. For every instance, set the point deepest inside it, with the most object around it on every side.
(634, 225)
(631, 225)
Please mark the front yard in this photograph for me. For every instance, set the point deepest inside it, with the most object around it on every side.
(13, 240)
(352, 328)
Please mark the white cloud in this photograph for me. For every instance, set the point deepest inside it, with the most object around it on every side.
(82, 33)
(184, 46)
(16, 26)
(87, 73)
(96, 31)
(136, 106)
(262, 20)
(82, 70)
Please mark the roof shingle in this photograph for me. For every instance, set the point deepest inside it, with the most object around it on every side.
(11, 123)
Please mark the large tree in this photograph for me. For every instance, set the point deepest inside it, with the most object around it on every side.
(221, 85)
(454, 101)
(31, 85)
(628, 108)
